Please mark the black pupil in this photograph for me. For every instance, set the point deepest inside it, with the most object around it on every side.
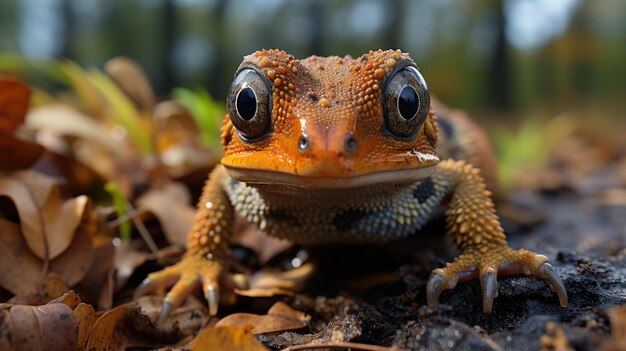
(408, 102)
(246, 103)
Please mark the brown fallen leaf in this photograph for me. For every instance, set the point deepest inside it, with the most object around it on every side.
(280, 317)
(264, 246)
(48, 222)
(126, 260)
(108, 330)
(20, 154)
(97, 286)
(132, 79)
(14, 101)
(65, 120)
(227, 338)
(171, 205)
(32, 284)
(14, 253)
(267, 283)
(74, 263)
(184, 322)
(47, 327)
(86, 318)
(617, 316)
(69, 299)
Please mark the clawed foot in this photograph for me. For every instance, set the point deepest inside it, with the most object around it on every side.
(499, 261)
(186, 276)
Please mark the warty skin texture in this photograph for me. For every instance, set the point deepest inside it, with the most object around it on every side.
(329, 168)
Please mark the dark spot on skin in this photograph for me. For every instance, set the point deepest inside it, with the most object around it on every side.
(347, 219)
(313, 97)
(424, 190)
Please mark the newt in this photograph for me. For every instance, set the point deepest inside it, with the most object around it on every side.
(335, 149)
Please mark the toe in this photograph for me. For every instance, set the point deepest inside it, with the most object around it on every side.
(489, 287)
(211, 293)
(156, 281)
(435, 287)
(177, 295)
(548, 273)
(437, 284)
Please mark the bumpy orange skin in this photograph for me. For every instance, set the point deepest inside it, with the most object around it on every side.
(328, 192)
(327, 99)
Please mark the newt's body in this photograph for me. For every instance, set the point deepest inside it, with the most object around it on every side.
(344, 150)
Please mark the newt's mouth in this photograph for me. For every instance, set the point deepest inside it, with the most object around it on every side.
(396, 176)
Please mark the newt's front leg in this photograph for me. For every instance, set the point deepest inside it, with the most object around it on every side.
(207, 252)
(473, 223)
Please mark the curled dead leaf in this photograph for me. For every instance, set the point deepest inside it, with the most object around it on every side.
(69, 299)
(227, 338)
(280, 317)
(47, 327)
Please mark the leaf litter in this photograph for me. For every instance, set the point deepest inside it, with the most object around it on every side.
(57, 232)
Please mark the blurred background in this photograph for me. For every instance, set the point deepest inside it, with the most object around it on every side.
(511, 57)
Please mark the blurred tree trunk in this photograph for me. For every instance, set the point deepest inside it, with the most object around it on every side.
(395, 16)
(65, 49)
(316, 11)
(217, 75)
(499, 70)
(168, 37)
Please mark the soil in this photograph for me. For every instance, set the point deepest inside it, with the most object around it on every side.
(376, 295)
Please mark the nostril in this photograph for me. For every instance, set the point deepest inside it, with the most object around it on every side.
(350, 144)
(303, 143)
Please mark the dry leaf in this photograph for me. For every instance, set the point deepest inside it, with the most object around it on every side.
(126, 260)
(133, 81)
(227, 338)
(65, 120)
(264, 246)
(617, 316)
(97, 286)
(280, 317)
(183, 322)
(291, 279)
(107, 332)
(76, 261)
(13, 254)
(171, 205)
(47, 327)
(48, 223)
(69, 299)
(21, 154)
(17, 153)
(86, 317)
(14, 101)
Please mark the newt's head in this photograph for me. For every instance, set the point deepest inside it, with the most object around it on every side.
(329, 122)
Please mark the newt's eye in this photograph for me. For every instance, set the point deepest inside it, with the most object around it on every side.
(249, 105)
(406, 102)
